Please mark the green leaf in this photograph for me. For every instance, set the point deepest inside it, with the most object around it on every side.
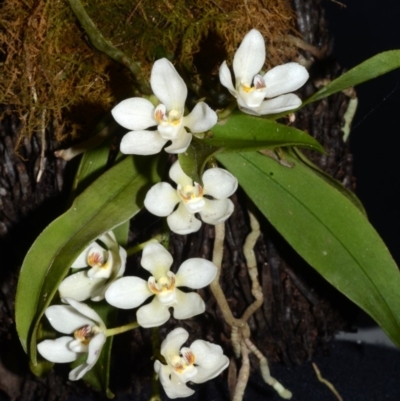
(92, 165)
(195, 158)
(351, 196)
(111, 200)
(375, 66)
(327, 230)
(242, 132)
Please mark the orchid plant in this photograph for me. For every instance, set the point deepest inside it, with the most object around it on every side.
(89, 336)
(198, 363)
(137, 114)
(131, 292)
(251, 88)
(218, 184)
(90, 235)
(106, 260)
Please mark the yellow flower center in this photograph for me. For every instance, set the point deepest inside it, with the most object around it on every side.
(97, 259)
(258, 84)
(84, 334)
(163, 284)
(180, 363)
(174, 117)
(191, 192)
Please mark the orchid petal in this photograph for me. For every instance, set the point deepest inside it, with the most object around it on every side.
(66, 319)
(82, 260)
(217, 211)
(100, 293)
(168, 86)
(156, 260)
(201, 119)
(57, 351)
(79, 286)
(142, 143)
(195, 273)
(127, 292)
(210, 360)
(123, 255)
(167, 298)
(134, 114)
(86, 311)
(78, 346)
(249, 57)
(161, 199)
(250, 98)
(178, 176)
(104, 271)
(278, 104)
(152, 315)
(79, 372)
(108, 238)
(195, 205)
(180, 144)
(284, 79)
(189, 372)
(95, 346)
(170, 131)
(173, 342)
(226, 79)
(171, 384)
(182, 222)
(188, 305)
(219, 183)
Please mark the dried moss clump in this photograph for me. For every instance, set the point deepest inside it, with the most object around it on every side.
(47, 68)
(51, 73)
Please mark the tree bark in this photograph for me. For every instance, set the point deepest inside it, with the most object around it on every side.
(301, 311)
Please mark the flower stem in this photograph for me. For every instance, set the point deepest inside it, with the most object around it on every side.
(105, 46)
(139, 247)
(121, 329)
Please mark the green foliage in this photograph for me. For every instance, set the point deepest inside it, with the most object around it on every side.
(111, 200)
(326, 229)
(375, 66)
(240, 133)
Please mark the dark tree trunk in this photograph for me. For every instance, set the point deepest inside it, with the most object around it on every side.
(301, 311)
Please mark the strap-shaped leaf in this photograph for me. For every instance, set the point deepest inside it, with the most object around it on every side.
(327, 229)
(375, 66)
(242, 132)
(111, 200)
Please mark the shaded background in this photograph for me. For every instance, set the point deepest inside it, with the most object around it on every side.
(361, 30)
(360, 371)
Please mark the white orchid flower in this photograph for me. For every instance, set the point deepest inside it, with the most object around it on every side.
(251, 88)
(218, 183)
(131, 292)
(138, 114)
(89, 336)
(198, 363)
(106, 260)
